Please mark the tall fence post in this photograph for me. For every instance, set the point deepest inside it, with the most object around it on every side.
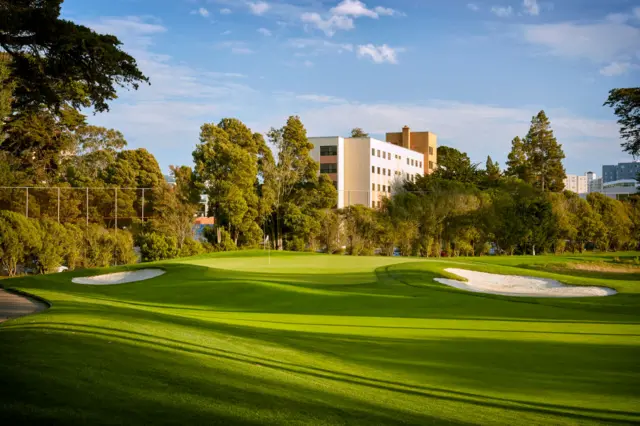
(116, 213)
(58, 204)
(27, 204)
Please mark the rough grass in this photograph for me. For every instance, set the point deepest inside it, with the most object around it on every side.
(317, 339)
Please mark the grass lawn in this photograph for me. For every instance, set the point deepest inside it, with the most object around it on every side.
(317, 339)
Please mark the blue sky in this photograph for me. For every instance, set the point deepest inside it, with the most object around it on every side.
(473, 72)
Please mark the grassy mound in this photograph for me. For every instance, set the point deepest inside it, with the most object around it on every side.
(316, 339)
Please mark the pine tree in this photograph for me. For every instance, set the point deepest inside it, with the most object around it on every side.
(544, 155)
(517, 160)
(492, 170)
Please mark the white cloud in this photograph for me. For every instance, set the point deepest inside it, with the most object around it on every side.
(531, 7)
(358, 9)
(236, 47)
(308, 63)
(323, 99)
(353, 8)
(259, 8)
(379, 54)
(387, 11)
(313, 46)
(328, 26)
(224, 33)
(166, 115)
(265, 32)
(600, 42)
(203, 12)
(616, 68)
(501, 11)
(225, 11)
(473, 128)
(473, 6)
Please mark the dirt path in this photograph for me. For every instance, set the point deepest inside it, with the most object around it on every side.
(14, 305)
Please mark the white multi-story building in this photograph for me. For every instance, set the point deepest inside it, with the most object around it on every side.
(365, 170)
(577, 184)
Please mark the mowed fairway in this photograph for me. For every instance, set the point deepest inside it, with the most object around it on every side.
(317, 339)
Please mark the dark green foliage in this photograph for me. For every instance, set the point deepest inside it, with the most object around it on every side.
(537, 159)
(156, 246)
(626, 104)
(20, 240)
(455, 165)
(191, 247)
(56, 62)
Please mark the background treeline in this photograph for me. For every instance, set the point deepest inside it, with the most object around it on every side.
(255, 191)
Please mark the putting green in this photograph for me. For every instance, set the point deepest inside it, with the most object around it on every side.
(318, 339)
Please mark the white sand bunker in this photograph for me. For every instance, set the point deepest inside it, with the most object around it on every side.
(119, 277)
(511, 285)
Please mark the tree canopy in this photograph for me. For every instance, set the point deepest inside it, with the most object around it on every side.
(357, 132)
(626, 105)
(54, 61)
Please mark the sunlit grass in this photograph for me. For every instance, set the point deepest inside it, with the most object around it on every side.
(317, 339)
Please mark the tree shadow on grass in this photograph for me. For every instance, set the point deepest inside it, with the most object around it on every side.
(443, 352)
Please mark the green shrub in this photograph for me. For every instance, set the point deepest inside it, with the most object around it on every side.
(20, 240)
(75, 248)
(123, 253)
(191, 247)
(56, 241)
(99, 247)
(155, 246)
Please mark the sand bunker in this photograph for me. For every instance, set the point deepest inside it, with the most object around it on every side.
(511, 285)
(119, 277)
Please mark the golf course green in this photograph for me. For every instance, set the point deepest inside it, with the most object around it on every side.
(300, 338)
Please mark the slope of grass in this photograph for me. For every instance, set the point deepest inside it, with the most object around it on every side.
(316, 339)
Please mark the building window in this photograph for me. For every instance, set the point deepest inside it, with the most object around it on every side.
(373, 152)
(378, 170)
(373, 169)
(384, 188)
(388, 172)
(431, 165)
(373, 186)
(384, 172)
(407, 161)
(430, 150)
(378, 187)
(329, 168)
(373, 204)
(389, 189)
(384, 155)
(378, 153)
(328, 150)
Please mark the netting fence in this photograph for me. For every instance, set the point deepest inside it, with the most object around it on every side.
(108, 206)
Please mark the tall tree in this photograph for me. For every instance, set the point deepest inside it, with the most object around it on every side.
(544, 155)
(55, 61)
(517, 160)
(226, 166)
(492, 170)
(357, 132)
(298, 190)
(455, 165)
(626, 104)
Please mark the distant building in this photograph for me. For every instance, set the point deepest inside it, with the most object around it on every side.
(200, 224)
(577, 184)
(366, 170)
(620, 171)
(620, 189)
(170, 180)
